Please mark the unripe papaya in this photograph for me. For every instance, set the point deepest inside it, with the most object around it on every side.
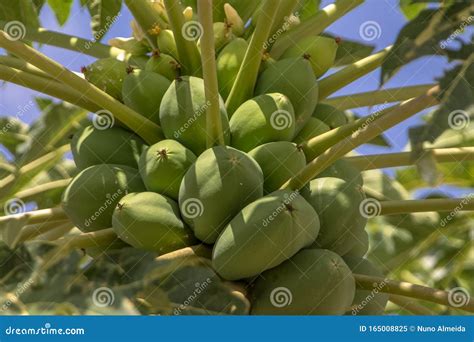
(228, 65)
(331, 116)
(114, 145)
(294, 78)
(344, 170)
(320, 51)
(366, 302)
(164, 65)
(279, 161)
(151, 221)
(136, 62)
(216, 187)
(107, 74)
(89, 200)
(222, 35)
(361, 245)
(312, 282)
(338, 206)
(264, 234)
(183, 114)
(143, 91)
(263, 119)
(234, 20)
(163, 166)
(167, 44)
(313, 128)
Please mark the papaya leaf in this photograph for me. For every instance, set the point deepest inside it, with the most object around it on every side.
(62, 9)
(426, 35)
(306, 8)
(411, 8)
(13, 132)
(104, 13)
(23, 11)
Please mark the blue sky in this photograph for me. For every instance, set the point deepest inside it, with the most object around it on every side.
(384, 13)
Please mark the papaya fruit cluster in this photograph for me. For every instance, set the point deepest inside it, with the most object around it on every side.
(178, 192)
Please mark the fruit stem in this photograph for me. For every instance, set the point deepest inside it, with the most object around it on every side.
(371, 283)
(87, 240)
(208, 58)
(148, 130)
(381, 161)
(21, 177)
(46, 86)
(31, 231)
(37, 216)
(73, 43)
(313, 25)
(350, 73)
(187, 49)
(147, 17)
(433, 204)
(393, 117)
(197, 251)
(372, 98)
(410, 305)
(42, 188)
(244, 84)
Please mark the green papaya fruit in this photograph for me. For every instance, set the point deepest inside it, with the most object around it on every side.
(279, 161)
(331, 116)
(136, 62)
(313, 128)
(344, 170)
(89, 200)
(163, 166)
(183, 114)
(294, 78)
(216, 187)
(264, 234)
(114, 145)
(366, 302)
(320, 51)
(263, 119)
(107, 74)
(338, 206)
(234, 20)
(312, 282)
(228, 65)
(151, 221)
(222, 35)
(143, 91)
(167, 44)
(163, 64)
(361, 245)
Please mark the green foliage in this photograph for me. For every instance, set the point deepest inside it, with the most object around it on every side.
(62, 9)
(104, 13)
